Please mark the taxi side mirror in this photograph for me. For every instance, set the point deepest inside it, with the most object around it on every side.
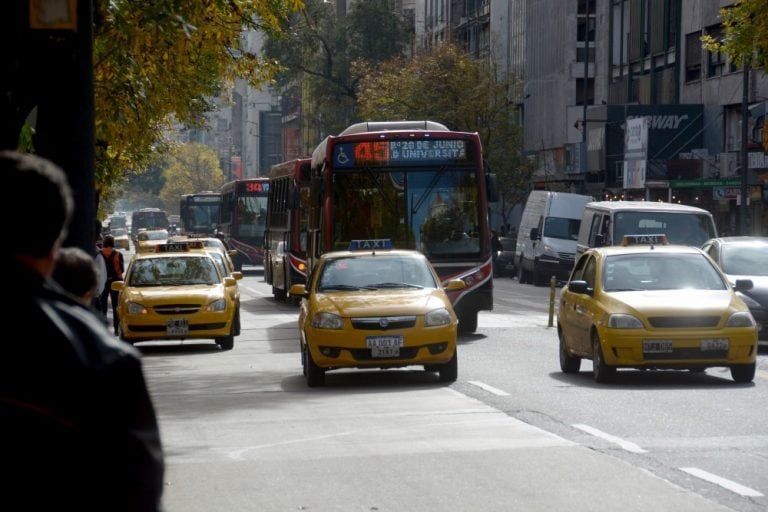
(229, 281)
(455, 285)
(743, 285)
(116, 286)
(298, 290)
(580, 287)
(233, 252)
(237, 275)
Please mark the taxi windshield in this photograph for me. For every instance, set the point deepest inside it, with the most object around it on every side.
(660, 271)
(173, 271)
(354, 273)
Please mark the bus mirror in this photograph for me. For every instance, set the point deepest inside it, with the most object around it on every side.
(492, 187)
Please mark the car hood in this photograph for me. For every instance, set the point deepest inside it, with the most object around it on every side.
(680, 302)
(381, 302)
(196, 294)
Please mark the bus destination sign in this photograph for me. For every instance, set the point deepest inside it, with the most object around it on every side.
(254, 187)
(399, 152)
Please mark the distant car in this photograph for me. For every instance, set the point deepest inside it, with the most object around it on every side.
(505, 261)
(122, 240)
(654, 306)
(148, 239)
(367, 308)
(745, 257)
(177, 294)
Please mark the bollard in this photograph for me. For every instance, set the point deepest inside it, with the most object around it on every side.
(552, 287)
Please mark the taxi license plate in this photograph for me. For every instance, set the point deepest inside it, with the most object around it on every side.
(714, 344)
(384, 346)
(179, 327)
(657, 346)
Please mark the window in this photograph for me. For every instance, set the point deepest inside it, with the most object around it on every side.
(693, 57)
(715, 60)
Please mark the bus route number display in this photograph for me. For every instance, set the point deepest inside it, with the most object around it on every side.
(254, 187)
(399, 152)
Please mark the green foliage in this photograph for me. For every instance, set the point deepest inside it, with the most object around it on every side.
(448, 86)
(317, 50)
(745, 33)
(162, 58)
(190, 168)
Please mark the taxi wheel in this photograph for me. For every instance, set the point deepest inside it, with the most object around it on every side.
(468, 323)
(315, 374)
(449, 371)
(568, 363)
(743, 372)
(236, 322)
(600, 371)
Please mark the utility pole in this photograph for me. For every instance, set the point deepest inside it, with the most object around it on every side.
(743, 211)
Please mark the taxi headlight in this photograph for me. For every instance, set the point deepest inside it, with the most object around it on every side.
(439, 316)
(619, 321)
(741, 319)
(134, 308)
(327, 321)
(217, 305)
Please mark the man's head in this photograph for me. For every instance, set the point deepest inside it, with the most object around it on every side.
(40, 201)
(109, 241)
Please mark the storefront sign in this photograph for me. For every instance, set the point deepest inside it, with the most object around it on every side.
(704, 183)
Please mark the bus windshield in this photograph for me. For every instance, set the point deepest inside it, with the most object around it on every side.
(252, 216)
(435, 211)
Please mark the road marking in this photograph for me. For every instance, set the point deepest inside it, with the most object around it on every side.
(254, 291)
(490, 389)
(626, 445)
(762, 374)
(723, 482)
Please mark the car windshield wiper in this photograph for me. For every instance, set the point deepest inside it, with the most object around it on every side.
(344, 287)
(396, 285)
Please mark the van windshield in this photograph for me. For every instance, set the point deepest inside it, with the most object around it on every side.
(680, 228)
(559, 227)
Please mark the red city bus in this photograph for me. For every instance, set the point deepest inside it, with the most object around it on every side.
(285, 258)
(243, 218)
(414, 182)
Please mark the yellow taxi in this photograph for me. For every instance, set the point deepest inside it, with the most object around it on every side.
(376, 307)
(148, 239)
(225, 267)
(176, 293)
(650, 305)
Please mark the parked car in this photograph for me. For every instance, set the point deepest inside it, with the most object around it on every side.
(654, 306)
(745, 257)
(367, 308)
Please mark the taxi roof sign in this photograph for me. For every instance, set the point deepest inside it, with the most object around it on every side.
(645, 239)
(370, 245)
(173, 247)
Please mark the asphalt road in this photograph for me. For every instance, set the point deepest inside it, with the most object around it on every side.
(243, 432)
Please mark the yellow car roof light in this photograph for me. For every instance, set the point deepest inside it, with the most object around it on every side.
(370, 245)
(644, 239)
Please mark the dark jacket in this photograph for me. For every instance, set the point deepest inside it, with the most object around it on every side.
(79, 430)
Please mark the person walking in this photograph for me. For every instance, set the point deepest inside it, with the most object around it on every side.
(115, 265)
(101, 268)
(80, 430)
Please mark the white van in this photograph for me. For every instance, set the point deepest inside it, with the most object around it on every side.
(546, 240)
(606, 223)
